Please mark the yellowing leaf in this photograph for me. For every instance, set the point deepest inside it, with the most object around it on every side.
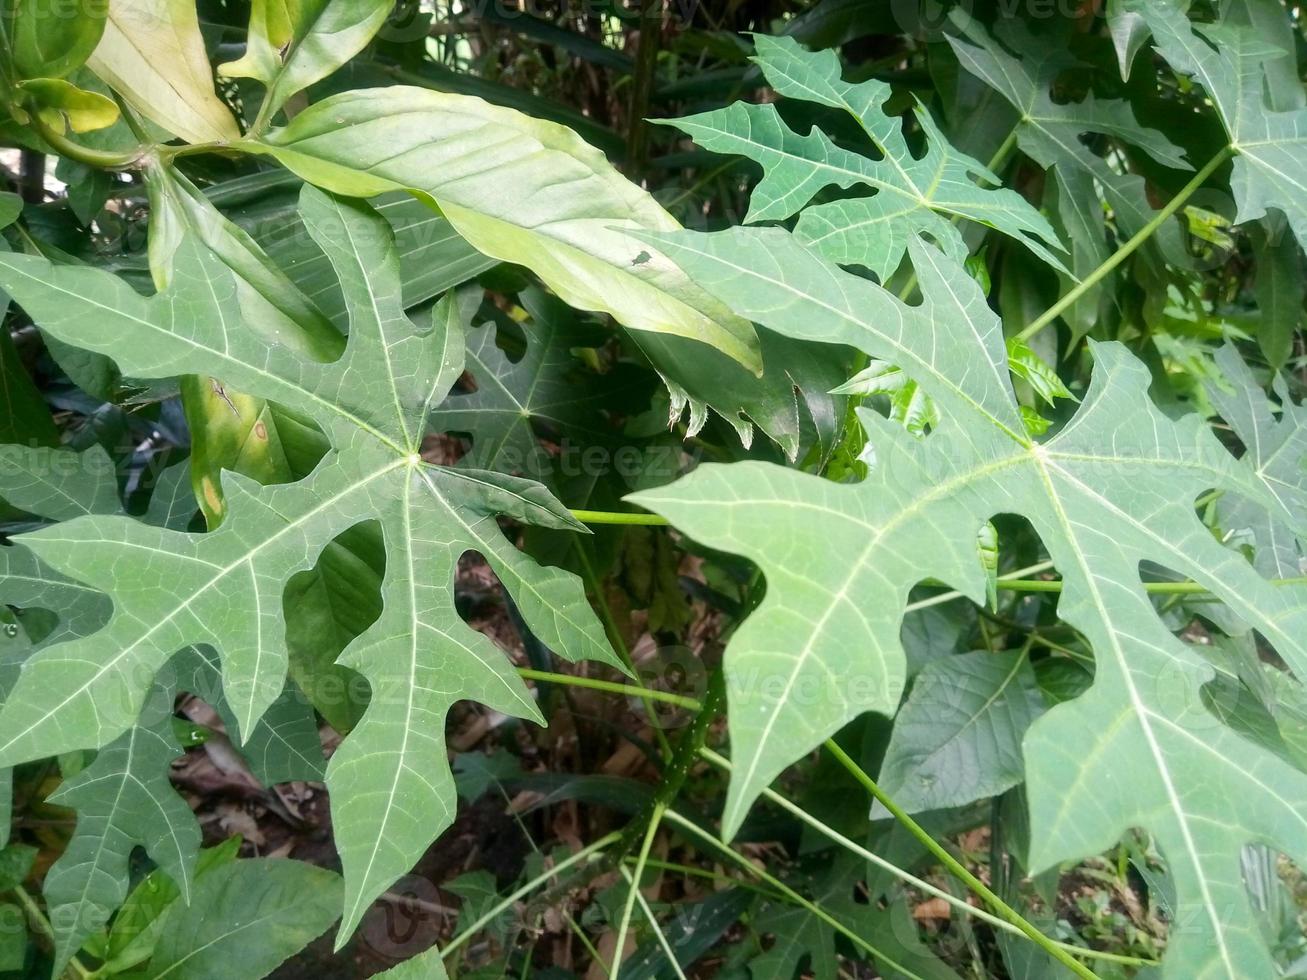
(152, 55)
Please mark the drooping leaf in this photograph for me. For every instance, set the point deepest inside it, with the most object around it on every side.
(519, 189)
(1112, 488)
(293, 43)
(1280, 290)
(912, 195)
(58, 101)
(390, 785)
(152, 54)
(957, 737)
(245, 919)
(23, 415)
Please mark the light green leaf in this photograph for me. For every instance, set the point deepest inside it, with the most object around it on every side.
(52, 38)
(913, 196)
(56, 100)
(1275, 443)
(519, 189)
(245, 919)
(1035, 371)
(1113, 488)
(294, 43)
(390, 785)
(957, 737)
(152, 55)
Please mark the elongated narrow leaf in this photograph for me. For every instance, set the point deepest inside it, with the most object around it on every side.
(390, 784)
(912, 196)
(293, 43)
(1114, 487)
(519, 189)
(152, 54)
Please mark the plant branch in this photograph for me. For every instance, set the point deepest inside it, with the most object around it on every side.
(908, 878)
(100, 159)
(814, 909)
(956, 866)
(644, 693)
(619, 517)
(1128, 248)
(646, 846)
(585, 854)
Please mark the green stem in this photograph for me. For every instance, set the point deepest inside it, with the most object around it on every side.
(582, 855)
(790, 894)
(42, 925)
(1155, 588)
(957, 868)
(649, 917)
(644, 693)
(614, 631)
(101, 159)
(646, 846)
(909, 878)
(1127, 249)
(619, 517)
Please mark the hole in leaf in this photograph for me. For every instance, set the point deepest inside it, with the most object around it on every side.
(326, 607)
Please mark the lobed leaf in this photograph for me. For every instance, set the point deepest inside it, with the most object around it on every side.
(390, 785)
(1111, 489)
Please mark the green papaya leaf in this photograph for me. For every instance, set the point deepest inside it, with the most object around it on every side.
(912, 195)
(1112, 488)
(1230, 61)
(391, 789)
